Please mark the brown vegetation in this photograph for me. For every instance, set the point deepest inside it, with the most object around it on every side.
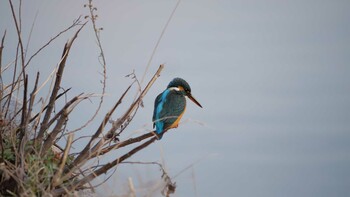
(31, 163)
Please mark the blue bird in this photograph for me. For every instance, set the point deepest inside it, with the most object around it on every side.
(170, 105)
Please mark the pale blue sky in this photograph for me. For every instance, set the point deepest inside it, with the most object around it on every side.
(272, 76)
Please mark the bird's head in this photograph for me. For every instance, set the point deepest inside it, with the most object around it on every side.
(184, 88)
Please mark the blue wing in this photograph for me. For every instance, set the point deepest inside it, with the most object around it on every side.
(157, 103)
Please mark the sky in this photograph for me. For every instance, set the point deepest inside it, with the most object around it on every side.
(272, 77)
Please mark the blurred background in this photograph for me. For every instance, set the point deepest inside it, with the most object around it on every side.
(272, 77)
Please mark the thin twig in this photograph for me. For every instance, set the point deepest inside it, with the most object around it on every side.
(31, 100)
(13, 85)
(75, 23)
(103, 63)
(169, 187)
(19, 46)
(1, 48)
(30, 34)
(159, 39)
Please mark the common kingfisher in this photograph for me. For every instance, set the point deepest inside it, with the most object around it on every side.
(170, 105)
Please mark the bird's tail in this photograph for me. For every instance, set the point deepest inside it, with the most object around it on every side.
(159, 135)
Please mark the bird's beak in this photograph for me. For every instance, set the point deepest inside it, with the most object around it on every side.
(194, 100)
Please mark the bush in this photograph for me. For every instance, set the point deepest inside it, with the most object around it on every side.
(31, 162)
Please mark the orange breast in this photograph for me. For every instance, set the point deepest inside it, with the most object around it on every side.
(176, 123)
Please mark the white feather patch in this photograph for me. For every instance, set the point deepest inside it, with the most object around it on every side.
(174, 88)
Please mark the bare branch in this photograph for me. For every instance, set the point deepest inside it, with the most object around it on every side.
(68, 104)
(61, 117)
(59, 73)
(24, 108)
(56, 180)
(110, 165)
(31, 100)
(137, 102)
(57, 97)
(18, 28)
(1, 48)
(32, 97)
(85, 152)
(105, 167)
(126, 143)
(123, 143)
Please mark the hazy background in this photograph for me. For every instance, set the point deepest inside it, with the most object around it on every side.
(272, 76)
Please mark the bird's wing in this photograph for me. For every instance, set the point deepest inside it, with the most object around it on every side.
(156, 103)
(173, 106)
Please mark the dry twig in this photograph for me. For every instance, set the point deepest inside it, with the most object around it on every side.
(54, 92)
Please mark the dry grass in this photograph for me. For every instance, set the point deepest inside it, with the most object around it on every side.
(31, 163)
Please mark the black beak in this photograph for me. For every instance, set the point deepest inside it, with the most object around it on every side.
(194, 100)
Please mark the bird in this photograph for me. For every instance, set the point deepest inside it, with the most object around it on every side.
(170, 105)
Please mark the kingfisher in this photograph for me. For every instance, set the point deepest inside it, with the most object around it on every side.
(170, 105)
